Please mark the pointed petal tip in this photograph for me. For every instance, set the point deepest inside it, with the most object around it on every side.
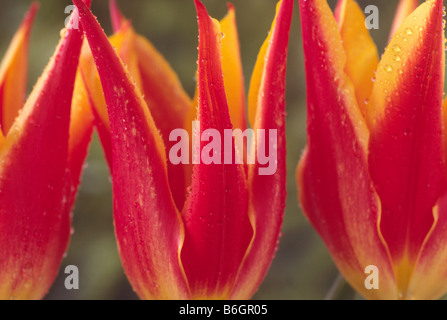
(148, 196)
(201, 9)
(32, 12)
(117, 17)
(14, 71)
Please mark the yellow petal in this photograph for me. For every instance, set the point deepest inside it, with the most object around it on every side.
(256, 79)
(232, 70)
(361, 52)
(13, 73)
(404, 9)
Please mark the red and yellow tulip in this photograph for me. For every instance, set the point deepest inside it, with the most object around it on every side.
(40, 164)
(216, 238)
(372, 179)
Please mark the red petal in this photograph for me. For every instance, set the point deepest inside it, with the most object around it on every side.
(268, 192)
(147, 224)
(406, 146)
(34, 201)
(118, 20)
(217, 229)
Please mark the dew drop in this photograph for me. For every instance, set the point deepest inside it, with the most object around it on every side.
(396, 48)
(408, 31)
(63, 32)
(397, 58)
(388, 68)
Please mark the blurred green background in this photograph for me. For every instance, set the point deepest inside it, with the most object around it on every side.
(302, 268)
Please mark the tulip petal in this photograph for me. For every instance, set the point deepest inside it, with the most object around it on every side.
(147, 224)
(361, 51)
(217, 228)
(266, 208)
(404, 115)
(13, 73)
(164, 95)
(335, 188)
(80, 134)
(256, 80)
(427, 280)
(162, 91)
(34, 204)
(404, 9)
(117, 18)
(232, 70)
(122, 41)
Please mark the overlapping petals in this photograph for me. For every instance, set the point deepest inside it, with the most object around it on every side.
(372, 177)
(39, 165)
(216, 238)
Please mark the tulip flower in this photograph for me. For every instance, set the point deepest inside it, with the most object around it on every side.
(159, 84)
(220, 242)
(40, 164)
(372, 179)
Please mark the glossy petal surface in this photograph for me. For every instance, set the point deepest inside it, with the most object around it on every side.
(147, 223)
(217, 228)
(34, 201)
(406, 144)
(335, 188)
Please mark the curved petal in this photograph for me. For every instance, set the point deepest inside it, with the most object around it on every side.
(406, 144)
(430, 272)
(160, 86)
(256, 80)
(404, 9)
(80, 134)
(93, 87)
(34, 204)
(117, 18)
(232, 70)
(147, 224)
(164, 95)
(13, 73)
(217, 228)
(268, 189)
(335, 188)
(361, 52)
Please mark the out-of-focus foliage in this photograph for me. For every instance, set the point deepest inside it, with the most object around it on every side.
(302, 268)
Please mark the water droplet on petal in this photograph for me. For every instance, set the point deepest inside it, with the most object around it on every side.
(396, 48)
